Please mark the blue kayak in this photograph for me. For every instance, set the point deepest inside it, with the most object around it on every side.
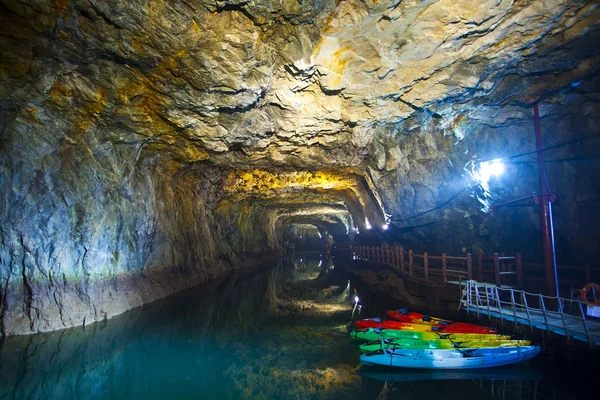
(450, 358)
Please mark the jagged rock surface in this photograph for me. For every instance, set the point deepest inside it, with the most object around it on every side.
(124, 122)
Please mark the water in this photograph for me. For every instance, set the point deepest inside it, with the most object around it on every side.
(274, 332)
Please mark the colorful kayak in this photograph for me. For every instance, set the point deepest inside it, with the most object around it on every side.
(406, 326)
(438, 344)
(450, 359)
(405, 316)
(378, 334)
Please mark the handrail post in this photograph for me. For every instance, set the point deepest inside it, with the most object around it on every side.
(410, 262)
(562, 314)
(395, 256)
(477, 300)
(426, 266)
(497, 270)
(487, 299)
(386, 252)
(499, 304)
(543, 306)
(469, 266)
(585, 326)
(402, 258)
(444, 277)
(524, 297)
(519, 266)
(468, 293)
(513, 305)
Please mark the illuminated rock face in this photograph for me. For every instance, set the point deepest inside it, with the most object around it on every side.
(149, 145)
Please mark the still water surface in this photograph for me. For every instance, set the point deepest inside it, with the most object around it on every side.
(273, 332)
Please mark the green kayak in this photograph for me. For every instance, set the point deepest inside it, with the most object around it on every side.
(378, 334)
(439, 344)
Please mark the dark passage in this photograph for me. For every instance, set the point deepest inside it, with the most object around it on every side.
(275, 332)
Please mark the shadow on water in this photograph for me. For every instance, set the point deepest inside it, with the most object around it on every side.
(275, 332)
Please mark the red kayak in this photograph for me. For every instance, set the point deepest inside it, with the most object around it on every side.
(405, 316)
(407, 326)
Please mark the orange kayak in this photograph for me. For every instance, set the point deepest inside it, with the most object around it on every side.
(405, 316)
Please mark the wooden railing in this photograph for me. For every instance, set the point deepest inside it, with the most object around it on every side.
(497, 268)
(423, 266)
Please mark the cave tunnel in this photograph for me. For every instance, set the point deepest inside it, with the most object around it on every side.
(151, 146)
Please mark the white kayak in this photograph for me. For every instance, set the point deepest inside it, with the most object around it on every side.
(450, 358)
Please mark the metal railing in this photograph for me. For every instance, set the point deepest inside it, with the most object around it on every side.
(557, 314)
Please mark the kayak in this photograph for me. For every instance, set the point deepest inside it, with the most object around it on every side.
(450, 359)
(406, 316)
(378, 334)
(439, 344)
(520, 372)
(407, 326)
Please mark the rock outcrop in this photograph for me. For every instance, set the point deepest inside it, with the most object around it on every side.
(147, 146)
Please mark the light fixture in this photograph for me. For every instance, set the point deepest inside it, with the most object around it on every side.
(492, 168)
(486, 170)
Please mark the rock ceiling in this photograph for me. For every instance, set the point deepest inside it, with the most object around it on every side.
(288, 85)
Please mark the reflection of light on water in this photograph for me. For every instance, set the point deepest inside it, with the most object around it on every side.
(320, 263)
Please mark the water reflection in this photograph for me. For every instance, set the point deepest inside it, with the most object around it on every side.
(172, 347)
(521, 372)
(276, 332)
(268, 333)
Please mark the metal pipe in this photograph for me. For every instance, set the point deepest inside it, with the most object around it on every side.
(554, 266)
(545, 214)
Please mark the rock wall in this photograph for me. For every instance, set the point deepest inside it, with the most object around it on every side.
(91, 231)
